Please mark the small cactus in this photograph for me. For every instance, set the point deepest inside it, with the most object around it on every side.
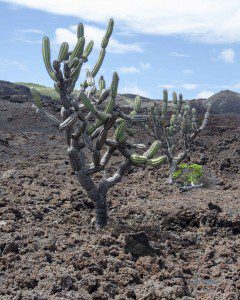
(175, 128)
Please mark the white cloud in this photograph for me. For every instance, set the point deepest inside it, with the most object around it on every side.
(31, 30)
(228, 86)
(28, 35)
(236, 86)
(188, 71)
(204, 94)
(6, 63)
(125, 33)
(133, 90)
(145, 65)
(228, 55)
(177, 54)
(166, 86)
(96, 34)
(186, 86)
(131, 69)
(215, 21)
(189, 86)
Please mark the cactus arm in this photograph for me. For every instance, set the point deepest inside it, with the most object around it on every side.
(133, 118)
(137, 104)
(135, 146)
(68, 122)
(63, 52)
(80, 31)
(191, 138)
(95, 168)
(78, 50)
(102, 53)
(88, 141)
(166, 143)
(99, 62)
(88, 50)
(48, 117)
(103, 162)
(47, 57)
(152, 151)
(118, 175)
(108, 34)
(126, 153)
(157, 161)
(101, 139)
(107, 155)
(111, 143)
(206, 118)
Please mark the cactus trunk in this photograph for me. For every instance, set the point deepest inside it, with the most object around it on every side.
(101, 210)
(173, 168)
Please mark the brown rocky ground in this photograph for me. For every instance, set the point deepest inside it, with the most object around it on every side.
(160, 243)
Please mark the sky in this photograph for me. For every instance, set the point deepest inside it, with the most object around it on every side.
(188, 46)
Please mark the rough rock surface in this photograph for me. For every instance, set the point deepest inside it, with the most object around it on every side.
(17, 93)
(14, 92)
(160, 243)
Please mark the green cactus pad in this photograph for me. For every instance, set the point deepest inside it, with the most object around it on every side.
(108, 33)
(138, 159)
(157, 161)
(69, 121)
(114, 85)
(152, 151)
(119, 132)
(98, 63)
(80, 30)
(73, 63)
(174, 97)
(78, 50)
(101, 83)
(165, 95)
(137, 103)
(88, 50)
(47, 57)
(87, 103)
(63, 52)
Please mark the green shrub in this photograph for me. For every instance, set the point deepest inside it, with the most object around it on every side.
(189, 174)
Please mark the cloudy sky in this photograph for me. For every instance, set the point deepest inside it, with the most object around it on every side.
(190, 46)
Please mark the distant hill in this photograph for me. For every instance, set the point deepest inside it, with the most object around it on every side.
(224, 102)
(43, 90)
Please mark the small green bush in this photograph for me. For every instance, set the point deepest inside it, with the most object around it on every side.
(188, 174)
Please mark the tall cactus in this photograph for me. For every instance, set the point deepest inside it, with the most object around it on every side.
(91, 118)
(175, 128)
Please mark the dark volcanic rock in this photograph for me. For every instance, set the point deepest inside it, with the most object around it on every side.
(17, 93)
(14, 92)
(169, 245)
(138, 245)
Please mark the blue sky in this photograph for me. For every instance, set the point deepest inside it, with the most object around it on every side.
(191, 47)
